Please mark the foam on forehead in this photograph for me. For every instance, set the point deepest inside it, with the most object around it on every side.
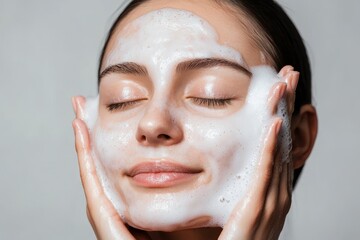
(167, 36)
(160, 40)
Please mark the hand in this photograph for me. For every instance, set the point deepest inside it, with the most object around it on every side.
(102, 215)
(261, 214)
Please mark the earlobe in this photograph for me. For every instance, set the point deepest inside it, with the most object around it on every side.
(304, 129)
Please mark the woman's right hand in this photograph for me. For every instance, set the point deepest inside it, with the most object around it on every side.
(104, 219)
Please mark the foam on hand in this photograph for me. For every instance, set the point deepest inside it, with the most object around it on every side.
(229, 145)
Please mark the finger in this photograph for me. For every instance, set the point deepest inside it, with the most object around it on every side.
(243, 221)
(269, 163)
(273, 209)
(86, 166)
(92, 223)
(283, 206)
(285, 70)
(285, 192)
(272, 195)
(276, 223)
(108, 224)
(273, 191)
(276, 93)
(79, 102)
(89, 216)
(292, 79)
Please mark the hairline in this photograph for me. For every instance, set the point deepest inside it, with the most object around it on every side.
(255, 31)
(259, 37)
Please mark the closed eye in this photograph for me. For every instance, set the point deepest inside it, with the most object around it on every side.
(212, 102)
(123, 105)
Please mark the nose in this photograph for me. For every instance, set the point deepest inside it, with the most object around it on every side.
(158, 128)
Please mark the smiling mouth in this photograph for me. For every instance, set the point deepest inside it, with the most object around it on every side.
(162, 174)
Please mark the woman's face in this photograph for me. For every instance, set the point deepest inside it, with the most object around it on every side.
(177, 130)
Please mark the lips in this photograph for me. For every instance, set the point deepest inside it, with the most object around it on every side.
(161, 174)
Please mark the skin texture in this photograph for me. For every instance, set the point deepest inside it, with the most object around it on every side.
(262, 217)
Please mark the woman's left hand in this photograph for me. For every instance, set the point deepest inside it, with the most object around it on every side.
(261, 214)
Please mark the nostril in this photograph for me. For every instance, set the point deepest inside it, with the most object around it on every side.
(164, 136)
(143, 138)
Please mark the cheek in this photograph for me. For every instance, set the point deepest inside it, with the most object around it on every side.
(225, 144)
(114, 143)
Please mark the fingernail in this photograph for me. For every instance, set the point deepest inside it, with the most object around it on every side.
(289, 69)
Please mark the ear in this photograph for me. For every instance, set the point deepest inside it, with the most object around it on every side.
(304, 127)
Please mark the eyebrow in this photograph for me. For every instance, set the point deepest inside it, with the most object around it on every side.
(125, 68)
(194, 64)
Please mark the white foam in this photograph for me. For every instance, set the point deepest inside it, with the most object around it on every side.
(229, 145)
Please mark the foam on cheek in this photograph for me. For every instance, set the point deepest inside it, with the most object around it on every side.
(232, 146)
(229, 146)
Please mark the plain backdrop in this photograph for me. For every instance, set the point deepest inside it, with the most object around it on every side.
(49, 52)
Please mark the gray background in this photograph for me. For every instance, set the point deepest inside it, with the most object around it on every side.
(48, 53)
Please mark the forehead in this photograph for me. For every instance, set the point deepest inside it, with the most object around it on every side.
(229, 29)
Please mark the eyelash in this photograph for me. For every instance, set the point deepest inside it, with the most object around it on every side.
(207, 102)
(212, 102)
(121, 105)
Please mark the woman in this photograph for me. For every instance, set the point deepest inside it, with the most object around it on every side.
(152, 51)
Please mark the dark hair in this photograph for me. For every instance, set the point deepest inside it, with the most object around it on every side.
(286, 46)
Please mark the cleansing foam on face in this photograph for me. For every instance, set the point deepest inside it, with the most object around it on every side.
(220, 152)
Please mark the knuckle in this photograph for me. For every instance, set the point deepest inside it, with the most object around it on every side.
(76, 145)
(269, 215)
(255, 217)
(286, 202)
(258, 212)
(267, 174)
(88, 214)
(272, 207)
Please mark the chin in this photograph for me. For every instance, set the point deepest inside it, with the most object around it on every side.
(154, 224)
